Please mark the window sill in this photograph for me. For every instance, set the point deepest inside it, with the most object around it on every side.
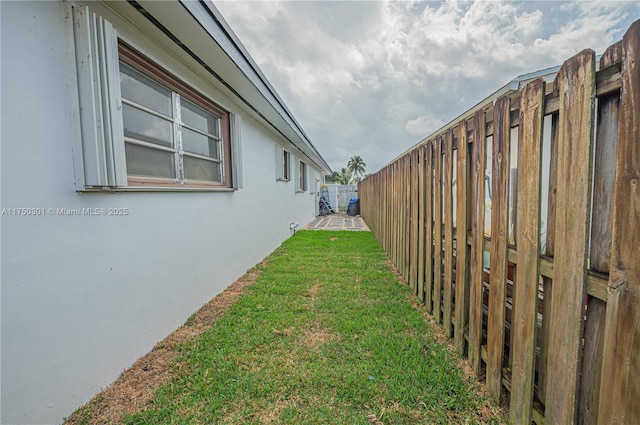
(154, 189)
(283, 180)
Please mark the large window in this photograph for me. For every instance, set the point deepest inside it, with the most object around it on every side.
(142, 126)
(172, 135)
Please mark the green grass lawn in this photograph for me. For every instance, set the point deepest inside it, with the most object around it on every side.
(326, 335)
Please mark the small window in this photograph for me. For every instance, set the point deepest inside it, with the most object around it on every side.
(283, 161)
(285, 165)
(302, 177)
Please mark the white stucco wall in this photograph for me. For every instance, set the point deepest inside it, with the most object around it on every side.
(82, 297)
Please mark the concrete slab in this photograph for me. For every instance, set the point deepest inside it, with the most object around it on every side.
(337, 221)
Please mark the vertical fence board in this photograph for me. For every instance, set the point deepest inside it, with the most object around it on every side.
(462, 279)
(477, 243)
(384, 181)
(437, 223)
(394, 220)
(406, 177)
(389, 187)
(421, 223)
(377, 183)
(448, 232)
(499, 239)
(391, 197)
(524, 317)
(620, 388)
(428, 269)
(401, 208)
(387, 207)
(407, 216)
(409, 227)
(397, 206)
(400, 230)
(600, 246)
(576, 83)
(414, 221)
(392, 209)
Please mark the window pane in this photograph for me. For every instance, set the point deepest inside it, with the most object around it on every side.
(199, 143)
(285, 164)
(201, 169)
(197, 117)
(144, 126)
(140, 89)
(143, 161)
(303, 183)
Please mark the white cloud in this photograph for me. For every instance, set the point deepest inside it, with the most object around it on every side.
(372, 78)
(595, 25)
(423, 126)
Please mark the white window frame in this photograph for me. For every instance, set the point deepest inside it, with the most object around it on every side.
(302, 176)
(98, 57)
(283, 164)
(177, 149)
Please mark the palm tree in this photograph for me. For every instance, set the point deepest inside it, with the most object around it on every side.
(345, 176)
(333, 177)
(356, 166)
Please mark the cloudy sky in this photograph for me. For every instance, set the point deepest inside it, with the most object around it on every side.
(372, 78)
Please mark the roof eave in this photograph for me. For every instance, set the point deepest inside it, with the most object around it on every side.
(211, 20)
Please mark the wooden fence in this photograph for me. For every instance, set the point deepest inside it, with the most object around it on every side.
(519, 228)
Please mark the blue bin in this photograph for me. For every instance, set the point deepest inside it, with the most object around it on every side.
(354, 206)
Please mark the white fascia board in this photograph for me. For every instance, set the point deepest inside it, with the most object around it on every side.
(214, 23)
(195, 29)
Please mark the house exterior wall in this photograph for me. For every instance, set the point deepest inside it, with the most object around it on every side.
(84, 296)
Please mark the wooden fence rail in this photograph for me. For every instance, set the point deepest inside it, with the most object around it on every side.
(519, 228)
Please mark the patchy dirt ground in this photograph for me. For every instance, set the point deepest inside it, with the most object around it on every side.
(135, 387)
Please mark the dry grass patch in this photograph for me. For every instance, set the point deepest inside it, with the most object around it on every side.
(134, 389)
(315, 338)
